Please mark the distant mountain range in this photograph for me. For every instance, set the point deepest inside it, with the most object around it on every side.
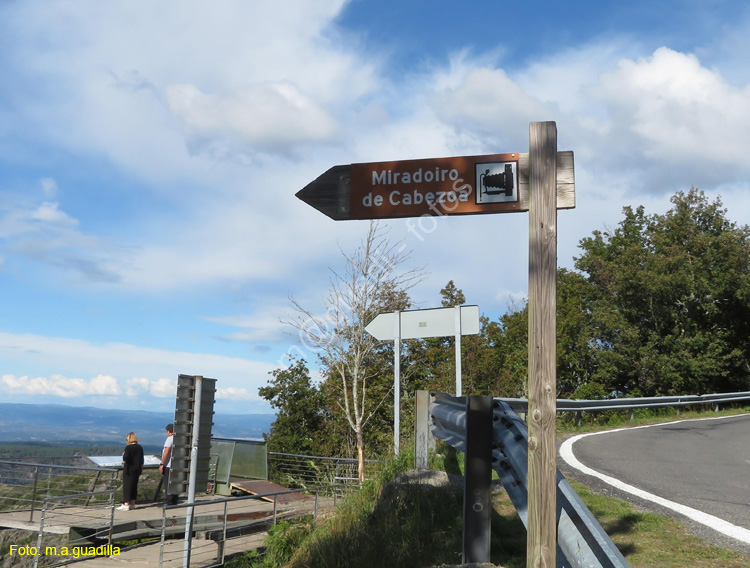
(53, 423)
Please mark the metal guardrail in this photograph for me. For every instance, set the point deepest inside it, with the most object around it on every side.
(581, 539)
(574, 405)
(582, 543)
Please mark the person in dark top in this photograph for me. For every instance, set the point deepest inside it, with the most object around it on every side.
(132, 463)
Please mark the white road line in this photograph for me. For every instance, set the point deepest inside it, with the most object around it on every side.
(719, 525)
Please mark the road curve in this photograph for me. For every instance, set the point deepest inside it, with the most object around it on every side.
(698, 468)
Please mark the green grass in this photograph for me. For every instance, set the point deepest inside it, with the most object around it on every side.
(609, 419)
(397, 526)
(655, 541)
(647, 540)
(412, 528)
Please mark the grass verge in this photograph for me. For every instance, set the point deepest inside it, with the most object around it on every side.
(419, 529)
(416, 528)
(609, 419)
(647, 540)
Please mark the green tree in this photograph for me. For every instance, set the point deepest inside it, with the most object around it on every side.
(451, 296)
(435, 356)
(507, 360)
(670, 300)
(493, 362)
(576, 337)
(501, 367)
(301, 418)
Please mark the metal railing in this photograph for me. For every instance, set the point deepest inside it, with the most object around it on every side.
(60, 497)
(25, 486)
(297, 471)
(217, 522)
(55, 544)
(582, 543)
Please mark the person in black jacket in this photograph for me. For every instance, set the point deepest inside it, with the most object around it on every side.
(132, 463)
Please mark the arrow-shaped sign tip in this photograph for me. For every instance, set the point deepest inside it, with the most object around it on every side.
(329, 193)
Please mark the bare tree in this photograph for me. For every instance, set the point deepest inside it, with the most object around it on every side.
(371, 283)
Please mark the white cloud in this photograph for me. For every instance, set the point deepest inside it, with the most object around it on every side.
(639, 125)
(678, 111)
(181, 114)
(233, 393)
(219, 113)
(160, 388)
(104, 384)
(137, 385)
(146, 366)
(61, 386)
(47, 234)
(254, 75)
(487, 101)
(49, 187)
(20, 221)
(644, 124)
(264, 325)
(163, 388)
(265, 116)
(49, 212)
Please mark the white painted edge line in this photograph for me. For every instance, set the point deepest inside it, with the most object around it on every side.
(715, 523)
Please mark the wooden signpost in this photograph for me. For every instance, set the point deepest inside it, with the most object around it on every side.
(539, 182)
(542, 411)
(468, 185)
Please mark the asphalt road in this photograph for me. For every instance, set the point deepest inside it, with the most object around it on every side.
(700, 464)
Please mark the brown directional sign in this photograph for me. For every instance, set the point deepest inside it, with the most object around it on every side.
(493, 183)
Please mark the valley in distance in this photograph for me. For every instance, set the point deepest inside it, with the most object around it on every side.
(59, 426)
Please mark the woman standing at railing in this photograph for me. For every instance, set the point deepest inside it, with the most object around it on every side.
(132, 463)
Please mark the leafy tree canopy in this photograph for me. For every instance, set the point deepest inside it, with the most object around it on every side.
(300, 420)
(668, 300)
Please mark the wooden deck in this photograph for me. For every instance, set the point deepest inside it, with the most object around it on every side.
(247, 521)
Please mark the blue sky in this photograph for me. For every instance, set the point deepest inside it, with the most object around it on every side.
(150, 153)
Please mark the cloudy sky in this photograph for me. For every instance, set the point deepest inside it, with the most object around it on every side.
(150, 153)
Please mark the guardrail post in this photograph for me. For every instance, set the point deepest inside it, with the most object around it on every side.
(424, 441)
(49, 482)
(477, 498)
(40, 538)
(111, 517)
(163, 535)
(33, 494)
(222, 547)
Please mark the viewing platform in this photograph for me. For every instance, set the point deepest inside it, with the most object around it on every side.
(221, 527)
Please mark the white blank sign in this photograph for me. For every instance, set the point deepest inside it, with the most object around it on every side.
(435, 322)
